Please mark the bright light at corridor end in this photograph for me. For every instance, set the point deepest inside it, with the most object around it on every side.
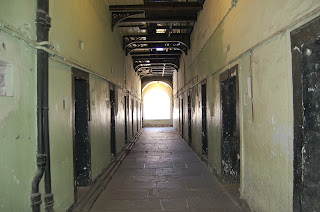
(156, 104)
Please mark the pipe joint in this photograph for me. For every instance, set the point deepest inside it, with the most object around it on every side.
(41, 17)
(41, 160)
(48, 22)
(36, 199)
(45, 108)
(49, 201)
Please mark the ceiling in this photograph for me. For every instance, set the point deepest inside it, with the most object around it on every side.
(155, 32)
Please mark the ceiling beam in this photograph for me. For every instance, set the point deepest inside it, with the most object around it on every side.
(133, 25)
(183, 38)
(156, 42)
(150, 65)
(165, 27)
(156, 74)
(158, 36)
(153, 48)
(160, 60)
(156, 53)
(160, 20)
(154, 57)
(167, 70)
(174, 6)
(157, 65)
(117, 17)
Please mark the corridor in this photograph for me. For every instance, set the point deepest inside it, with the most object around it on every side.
(159, 105)
(162, 173)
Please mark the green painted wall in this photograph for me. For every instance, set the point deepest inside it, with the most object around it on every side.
(101, 53)
(61, 143)
(18, 112)
(222, 38)
(89, 23)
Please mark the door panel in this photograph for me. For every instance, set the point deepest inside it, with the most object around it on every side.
(182, 119)
(132, 120)
(230, 146)
(204, 133)
(189, 120)
(82, 142)
(125, 120)
(113, 124)
(137, 115)
(311, 126)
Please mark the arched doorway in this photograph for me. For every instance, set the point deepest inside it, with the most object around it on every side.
(157, 104)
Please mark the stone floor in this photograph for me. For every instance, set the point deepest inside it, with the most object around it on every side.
(162, 173)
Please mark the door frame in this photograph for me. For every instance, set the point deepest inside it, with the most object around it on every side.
(179, 115)
(299, 36)
(132, 117)
(225, 75)
(182, 118)
(76, 73)
(140, 116)
(137, 115)
(113, 132)
(189, 119)
(125, 120)
(204, 83)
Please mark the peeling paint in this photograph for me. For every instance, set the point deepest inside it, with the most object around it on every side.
(16, 180)
(276, 135)
(273, 119)
(297, 48)
(280, 136)
(283, 138)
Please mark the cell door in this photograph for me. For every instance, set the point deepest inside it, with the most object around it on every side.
(132, 111)
(204, 134)
(113, 124)
(311, 126)
(140, 115)
(189, 120)
(125, 120)
(82, 150)
(306, 83)
(179, 115)
(182, 119)
(230, 130)
(137, 112)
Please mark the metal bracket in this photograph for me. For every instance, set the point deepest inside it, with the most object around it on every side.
(183, 39)
(234, 3)
(120, 16)
(171, 45)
